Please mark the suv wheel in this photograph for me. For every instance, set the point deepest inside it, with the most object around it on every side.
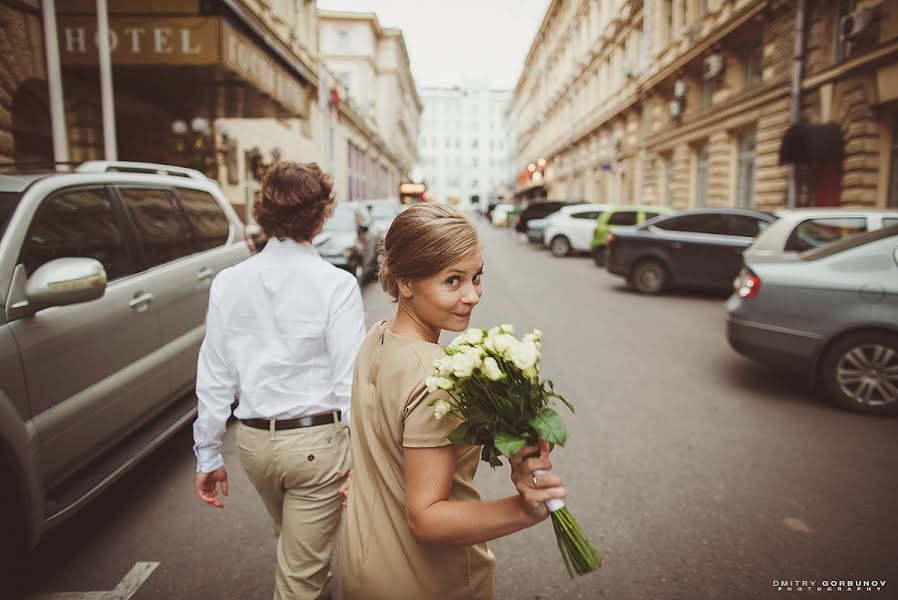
(860, 373)
(560, 246)
(598, 256)
(650, 276)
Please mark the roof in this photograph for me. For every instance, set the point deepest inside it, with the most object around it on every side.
(20, 182)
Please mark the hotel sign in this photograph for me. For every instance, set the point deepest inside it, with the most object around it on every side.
(183, 41)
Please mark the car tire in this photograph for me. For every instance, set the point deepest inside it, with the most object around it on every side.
(560, 246)
(854, 368)
(598, 256)
(650, 276)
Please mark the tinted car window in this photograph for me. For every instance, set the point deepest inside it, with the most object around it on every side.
(209, 225)
(746, 226)
(622, 217)
(8, 203)
(813, 233)
(651, 215)
(76, 223)
(591, 215)
(696, 223)
(162, 232)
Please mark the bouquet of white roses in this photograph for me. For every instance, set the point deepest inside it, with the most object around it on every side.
(493, 387)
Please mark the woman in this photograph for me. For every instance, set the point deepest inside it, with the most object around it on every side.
(416, 527)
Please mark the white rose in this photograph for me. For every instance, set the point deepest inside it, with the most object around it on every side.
(503, 343)
(538, 334)
(441, 409)
(506, 328)
(524, 355)
(443, 365)
(491, 369)
(474, 336)
(464, 364)
(438, 383)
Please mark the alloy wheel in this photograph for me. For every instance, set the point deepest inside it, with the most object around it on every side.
(560, 246)
(868, 374)
(650, 277)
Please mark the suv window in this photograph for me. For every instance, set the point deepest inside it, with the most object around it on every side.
(622, 217)
(208, 222)
(697, 223)
(746, 226)
(590, 215)
(76, 223)
(160, 229)
(813, 233)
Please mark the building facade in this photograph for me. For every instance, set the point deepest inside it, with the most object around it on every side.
(691, 103)
(225, 86)
(377, 134)
(464, 144)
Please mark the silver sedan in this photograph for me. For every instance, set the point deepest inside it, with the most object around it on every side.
(830, 313)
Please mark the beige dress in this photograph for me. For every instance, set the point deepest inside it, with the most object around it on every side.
(390, 410)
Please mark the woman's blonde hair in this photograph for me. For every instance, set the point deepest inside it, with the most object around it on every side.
(423, 240)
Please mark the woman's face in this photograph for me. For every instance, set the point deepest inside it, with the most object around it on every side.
(445, 300)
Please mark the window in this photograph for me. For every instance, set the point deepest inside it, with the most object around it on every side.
(209, 225)
(76, 223)
(160, 229)
(753, 65)
(589, 216)
(843, 48)
(745, 186)
(701, 176)
(709, 223)
(343, 40)
(668, 180)
(651, 215)
(889, 222)
(813, 233)
(669, 17)
(622, 217)
(746, 226)
(707, 94)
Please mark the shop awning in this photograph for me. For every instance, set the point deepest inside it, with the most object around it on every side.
(807, 143)
(190, 64)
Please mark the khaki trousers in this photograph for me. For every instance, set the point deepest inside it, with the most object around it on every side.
(298, 474)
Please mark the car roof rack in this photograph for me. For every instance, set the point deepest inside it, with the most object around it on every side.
(122, 166)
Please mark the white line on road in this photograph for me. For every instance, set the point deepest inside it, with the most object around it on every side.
(126, 588)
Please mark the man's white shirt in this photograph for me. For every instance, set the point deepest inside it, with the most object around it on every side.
(283, 329)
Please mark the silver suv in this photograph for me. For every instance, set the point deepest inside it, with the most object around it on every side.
(104, 282)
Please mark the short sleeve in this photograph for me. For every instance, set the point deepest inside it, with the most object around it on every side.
(421, 429)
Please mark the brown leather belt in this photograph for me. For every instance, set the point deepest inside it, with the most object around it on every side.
(281, 424)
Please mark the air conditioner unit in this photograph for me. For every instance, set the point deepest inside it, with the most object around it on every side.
(674, 110)
(713, 67)
(858, 24)
(680, 88)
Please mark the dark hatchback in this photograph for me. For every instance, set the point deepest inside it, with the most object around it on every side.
(699, 248)
(540, 210)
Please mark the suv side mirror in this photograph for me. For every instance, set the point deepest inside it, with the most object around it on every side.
(66, 281)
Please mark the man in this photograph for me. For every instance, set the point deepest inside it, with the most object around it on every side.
(282, 330)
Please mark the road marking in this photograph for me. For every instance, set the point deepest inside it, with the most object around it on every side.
(126, 588)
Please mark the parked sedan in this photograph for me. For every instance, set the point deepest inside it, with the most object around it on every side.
(535, 230)
(539, 210)
(802, 229)
(830, 313)
(571, 228)
(696, 248)
(346, 241)
(617, 217)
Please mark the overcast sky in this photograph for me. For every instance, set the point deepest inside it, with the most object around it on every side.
(458, 41)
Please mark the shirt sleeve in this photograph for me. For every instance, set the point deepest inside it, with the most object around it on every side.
(345, 332)
(421, 428)
(216, 386)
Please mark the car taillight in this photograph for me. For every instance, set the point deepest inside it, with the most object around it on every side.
(612, 238)
(747, 284)
(250, 244)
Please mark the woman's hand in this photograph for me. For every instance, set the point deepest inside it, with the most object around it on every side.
(535, 490)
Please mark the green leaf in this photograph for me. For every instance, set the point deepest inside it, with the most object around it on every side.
(459, 435)
(509, 445)
(488, 454)
(549, 427)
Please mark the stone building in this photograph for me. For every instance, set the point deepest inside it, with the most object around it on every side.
(688, 103)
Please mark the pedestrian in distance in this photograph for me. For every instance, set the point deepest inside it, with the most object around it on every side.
(415, 524)
(282, 332)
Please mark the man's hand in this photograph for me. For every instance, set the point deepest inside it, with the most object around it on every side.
(344, 489)
(206, 486)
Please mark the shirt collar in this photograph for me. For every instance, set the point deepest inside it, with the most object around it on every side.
(287, 246)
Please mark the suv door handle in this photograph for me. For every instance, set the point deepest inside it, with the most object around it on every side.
(141, 301)
(205, 275)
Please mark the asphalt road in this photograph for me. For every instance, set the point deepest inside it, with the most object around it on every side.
(695, 473)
